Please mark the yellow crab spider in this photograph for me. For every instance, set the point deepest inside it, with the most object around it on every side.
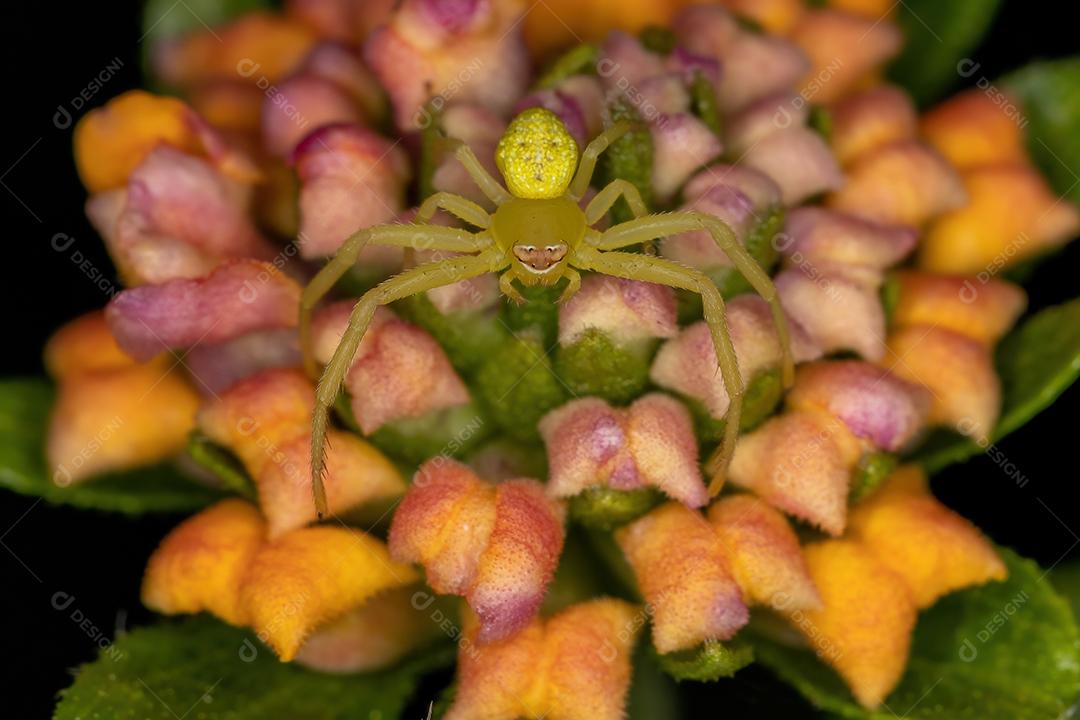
(537, 235)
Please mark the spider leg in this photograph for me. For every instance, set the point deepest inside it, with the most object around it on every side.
(425, 236)
(644, 229)
(457, 206)
(635, 266)
(587, 164)
(409, 282)
(573, 286)
(488, 185)
(506, 286)
(599, 205)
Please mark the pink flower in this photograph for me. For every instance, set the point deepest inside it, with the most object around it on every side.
(650, 443)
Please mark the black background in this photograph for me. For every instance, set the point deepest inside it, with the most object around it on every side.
(51, 51)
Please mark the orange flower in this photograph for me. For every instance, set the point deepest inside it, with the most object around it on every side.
(981, 309)
(199, 566)
(318, 583)
(497, 545)
(1012, 214)
(110, 412)
(312, 576)
(933, 549)
(557, 24)
(685, 574)
(266, 420)
(256, 47)
(845, 50)
(111, 141)
(864, 627)
(809, 479)
(572, 666)
(765, 553)
(870, 119)
(902, 183)
(972, 130)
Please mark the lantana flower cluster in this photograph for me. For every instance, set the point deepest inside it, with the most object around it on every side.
(473, 435)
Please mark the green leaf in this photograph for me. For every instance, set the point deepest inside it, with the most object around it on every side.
(653, 694)
(24, 415)
(1049, 93)
(165, 19)
(761, 397)
(202, 668)
(937, 36)
(1036, 362)
(708, 662)
(1003, 651)
(225, 466)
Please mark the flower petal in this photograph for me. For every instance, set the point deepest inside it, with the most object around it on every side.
(826, 238)
(118, 419)
(685, 575)
(682, 144)
(1012, 214)
(373, 636)
(236, 298)
(177, 217)
(864, 629)
(200, 564)
(800, 462)
(875, 404)
(471, 50)
(519, 561)
(312, 576)
(83, 345)
(932, 548)
(573, 666)
(868, 120)
(626, 310)
(399, 370)
(765, 554)
(838, 312)
(496, 545)
(844, 49)
(651, 443)
(956, 369)
(687, 363)
(350, 178)
(902, 183)
(800, 162)
(983, 309)
(973, 129)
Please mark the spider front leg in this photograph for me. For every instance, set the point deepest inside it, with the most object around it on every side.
(411, 282)
(633, 232)
(589, 156)
(488, 185)
(645, 268)
(459, 207)
(433, 237)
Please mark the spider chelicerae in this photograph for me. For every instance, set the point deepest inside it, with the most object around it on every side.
(537, 235)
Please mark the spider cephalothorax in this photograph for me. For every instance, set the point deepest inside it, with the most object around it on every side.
(538, 235)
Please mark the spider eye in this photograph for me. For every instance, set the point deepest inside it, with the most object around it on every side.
(529, 248)
(552, 249)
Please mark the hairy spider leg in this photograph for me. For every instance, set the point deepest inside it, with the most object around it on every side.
(432, 237)
(456, 205)
(587, 164)
(492, 188)
(410, 282)
(641, 230)
(646, 268)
